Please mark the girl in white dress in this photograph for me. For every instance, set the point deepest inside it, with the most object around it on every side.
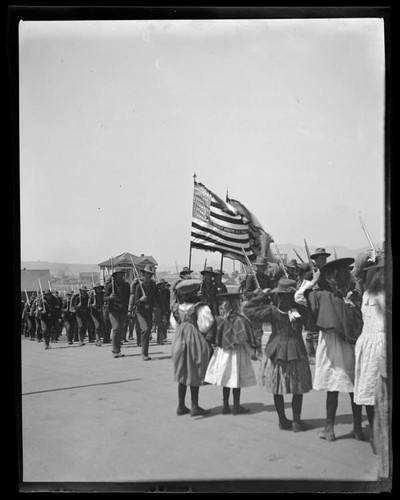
(230, 366)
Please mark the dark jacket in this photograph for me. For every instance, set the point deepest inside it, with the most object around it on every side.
(120, 302)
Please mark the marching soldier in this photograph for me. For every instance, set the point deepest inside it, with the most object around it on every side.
(46, 306)
(30, 318)
(80, 302)
(116, 295)
(208, 290)
(96, 306)
(165, 311)
(57, 328)
(69, 317)
(132, 311)
(146, 299)
(35, 313)
(106, 317)
(221, 287)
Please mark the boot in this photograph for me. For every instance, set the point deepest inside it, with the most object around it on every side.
(357, 432)
(182, 409)
(226, 410)
(328, 433)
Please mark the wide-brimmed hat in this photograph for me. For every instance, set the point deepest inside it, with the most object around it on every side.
(83, 288)
(219, 271)
(292, 264)
(337, 264)
(188, 287)
(320, 252)
(285, 285)
(260, 261)
(148, 269)
(98, 284)
(380, 262)
(229, 295)
(186, 270)
(207, 269)
(118, 270)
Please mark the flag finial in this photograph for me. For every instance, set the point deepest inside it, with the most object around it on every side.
(194, 178)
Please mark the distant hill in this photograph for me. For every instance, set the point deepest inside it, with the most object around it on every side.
(56, 268)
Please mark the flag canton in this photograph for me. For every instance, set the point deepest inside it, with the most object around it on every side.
(201, 204)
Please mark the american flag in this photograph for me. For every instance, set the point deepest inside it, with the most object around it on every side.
(216, 226)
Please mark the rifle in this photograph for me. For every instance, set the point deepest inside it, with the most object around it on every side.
(138, 277)
(298, 256)
(112, 277)
(27, 297)
(364, 228)
(281, 261)
(41, 293)
(334, 253)
(251, 269)
(308, 256)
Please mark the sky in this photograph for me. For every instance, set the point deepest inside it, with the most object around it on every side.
(117, 116)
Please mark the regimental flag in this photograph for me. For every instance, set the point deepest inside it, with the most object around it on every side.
(216, 227)
(259, 240)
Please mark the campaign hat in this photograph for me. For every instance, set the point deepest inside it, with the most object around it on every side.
(98, 284)
(320, 252)
(292, 264)
(186, 270)
(148, 269)
(285, 285)
(118, 270)
(83, 288)
(337, 264)
(207, 269)
(260, 261)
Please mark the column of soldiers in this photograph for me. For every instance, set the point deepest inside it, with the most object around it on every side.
(100, 315)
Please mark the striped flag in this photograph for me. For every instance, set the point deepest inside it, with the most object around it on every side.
(259, 239)
(216, 226)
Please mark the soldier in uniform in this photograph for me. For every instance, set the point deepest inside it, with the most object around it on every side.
(69, 317)
(208, 290)
(80, 302)
(96, 307)
(36, 315)
(116, 295)
(146, 299)
(30, 318)
(132, 311)
(221, 288)
(106, 317)
(183, 275)
(165, 311)
(46, 307)
(57, 328)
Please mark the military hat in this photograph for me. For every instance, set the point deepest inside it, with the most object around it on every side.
(292, 264)
(285, 285)
(70, 292)
(83, 288)
(319, 252)
(207, 269)
(148, 269)
(260, 261)
(186, 270)
(118, 270)
(98, 284)
(219, 271)
(337, 264)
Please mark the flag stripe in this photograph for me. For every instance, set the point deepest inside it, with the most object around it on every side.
(203, 228)
(212, 247)
(220, 241)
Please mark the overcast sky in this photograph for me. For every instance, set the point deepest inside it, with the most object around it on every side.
(116, 116)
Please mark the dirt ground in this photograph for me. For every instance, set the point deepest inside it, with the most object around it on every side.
(94, 423)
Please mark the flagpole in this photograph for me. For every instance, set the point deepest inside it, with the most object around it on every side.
(222, 258)
(190, 247)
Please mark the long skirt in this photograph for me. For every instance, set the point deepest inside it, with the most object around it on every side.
(231, 368)
(334, 364)
(190, 355)
(285, 377)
